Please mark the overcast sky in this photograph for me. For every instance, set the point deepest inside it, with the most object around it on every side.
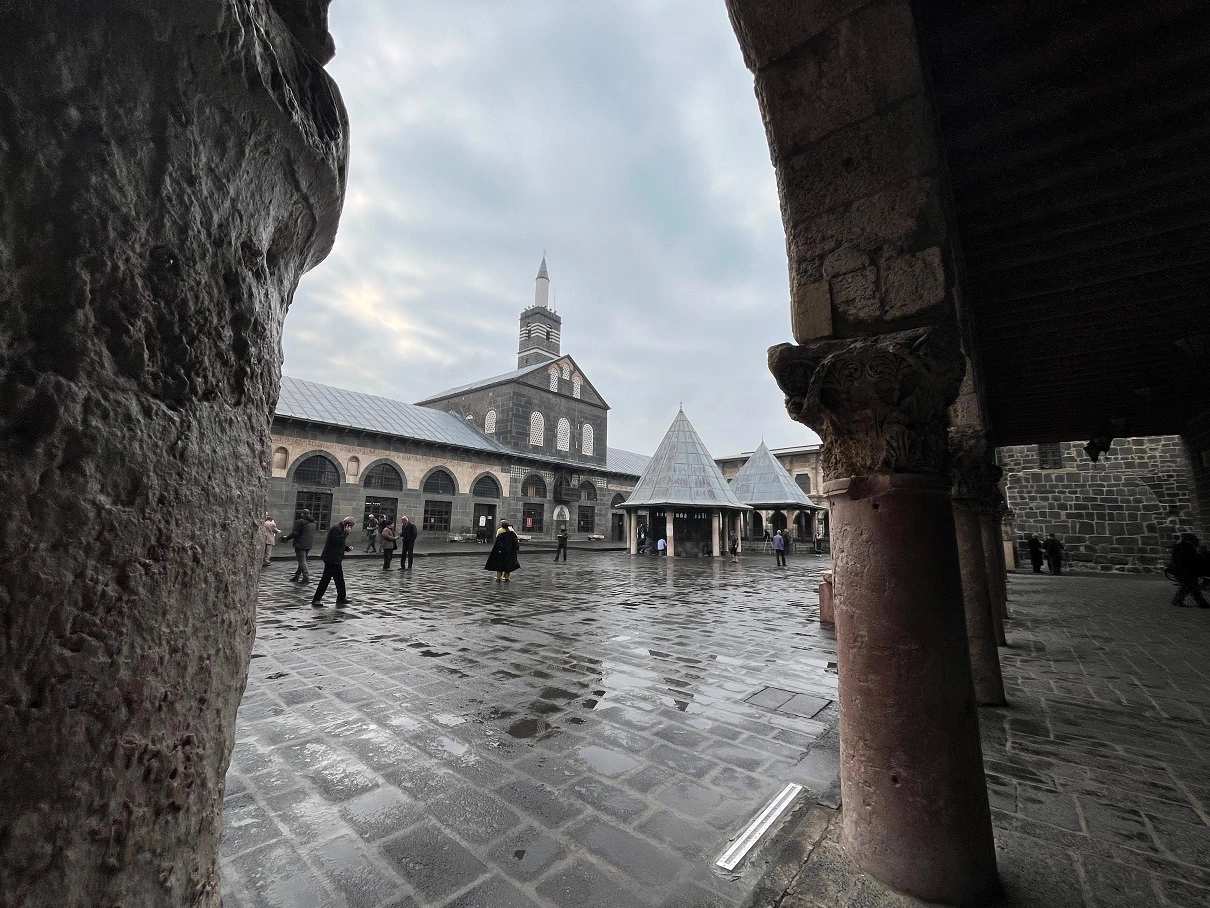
(622, 138)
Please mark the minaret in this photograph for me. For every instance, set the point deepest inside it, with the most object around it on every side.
(540, 326)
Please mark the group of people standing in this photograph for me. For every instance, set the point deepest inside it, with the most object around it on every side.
(1049, 549)
(405, 539)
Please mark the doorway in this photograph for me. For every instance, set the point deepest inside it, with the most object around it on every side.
(485, 522)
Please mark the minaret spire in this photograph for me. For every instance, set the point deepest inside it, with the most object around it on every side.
(542, 286)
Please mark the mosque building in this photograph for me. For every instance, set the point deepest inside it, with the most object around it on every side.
(529, 446)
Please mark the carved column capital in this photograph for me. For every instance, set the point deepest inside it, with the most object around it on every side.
(973, 468)
(878, 403)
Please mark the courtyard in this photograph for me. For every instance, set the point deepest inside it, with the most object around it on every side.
(592, 733)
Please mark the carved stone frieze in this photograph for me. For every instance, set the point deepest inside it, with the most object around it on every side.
(878, 403)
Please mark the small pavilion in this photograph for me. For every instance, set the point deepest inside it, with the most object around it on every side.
(765, 485)
(683, 498)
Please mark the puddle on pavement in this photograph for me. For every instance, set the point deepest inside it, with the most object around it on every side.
(447, 720)
(606, 762)
(528, 728)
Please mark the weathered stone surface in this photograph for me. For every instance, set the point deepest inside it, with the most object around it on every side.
(169, 172)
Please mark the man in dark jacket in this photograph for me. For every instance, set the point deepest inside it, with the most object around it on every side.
(561, 543)
(1185, 569)
(335, 547)
(1054, 553)
(1035, 552)
(303, 535)
(407, 544)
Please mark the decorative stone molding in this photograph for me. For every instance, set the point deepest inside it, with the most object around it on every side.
(878, 403)
(973, 468)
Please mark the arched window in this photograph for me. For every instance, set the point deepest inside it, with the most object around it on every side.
(489, 422)
(384, 476)
(566, 372)
(804, 482)
(352, 468)
(618, 501)
(537, 427)
(586, 439)
(317, 470)
(440, 482)
(576, 382)
(588, 492)
(486, 487)
(554, 378)
(563, 439)
(533, 487)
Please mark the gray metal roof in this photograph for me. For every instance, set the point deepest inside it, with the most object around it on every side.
(763, 482)
(488, 382)
(682, 472)
(626, 462)
(318, 403)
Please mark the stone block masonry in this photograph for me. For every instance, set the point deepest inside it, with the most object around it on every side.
(1122, 513)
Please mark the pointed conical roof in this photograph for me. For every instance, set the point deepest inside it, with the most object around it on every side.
(763, 483)
(682, 472)
(542, 275)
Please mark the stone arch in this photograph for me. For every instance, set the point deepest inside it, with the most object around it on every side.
(588, 490)
(372, 472)
(281, 459)
(489, 423)
(617, 502)
(587, 441)
(778, 521)
(537, 428)
(535, 484)
(577, 384)
(302, 459)
(480, 487)
(553, 372)
(433, 476)
(563, 435)
(353, 468)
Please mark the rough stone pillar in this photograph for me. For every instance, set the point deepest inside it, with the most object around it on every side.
(716, 531)
(632, 534)
(169, 172)
(975, 475)
(668, 531)
(915, 802)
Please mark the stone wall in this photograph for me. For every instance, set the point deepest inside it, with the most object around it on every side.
(1119, 514)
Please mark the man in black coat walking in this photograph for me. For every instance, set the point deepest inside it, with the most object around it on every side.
(1185, 569)
(407, 544)
(335, 547)
(1035, 552)
(1054, 554)
(303, 535)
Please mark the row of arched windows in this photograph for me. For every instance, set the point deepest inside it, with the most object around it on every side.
(577, 383)
(320, 470)
(537, 434)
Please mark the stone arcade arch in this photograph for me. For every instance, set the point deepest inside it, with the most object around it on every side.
(384, 474)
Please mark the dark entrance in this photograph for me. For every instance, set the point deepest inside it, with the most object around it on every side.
(691, 530)
(619, 527)
(485, 521)
(383, 507)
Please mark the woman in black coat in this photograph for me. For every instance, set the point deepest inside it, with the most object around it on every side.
(503, 559)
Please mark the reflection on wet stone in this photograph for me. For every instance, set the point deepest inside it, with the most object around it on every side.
(429, 748)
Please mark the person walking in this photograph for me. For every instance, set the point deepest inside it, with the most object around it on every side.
(561, 543)
(335, 547)
(303, 535)
(371, 533)
(1054, 554)
(734, 548)
(386, 540)
(819, 542)
(1185, 570)
(503, 558)
(407, 544)
(1035, 552)
(268, 535)
(779, 548)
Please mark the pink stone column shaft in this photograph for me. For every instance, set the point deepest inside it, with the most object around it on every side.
(916, 812)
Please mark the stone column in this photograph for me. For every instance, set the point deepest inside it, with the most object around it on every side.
(716, 530)
(915, 801)
(668, 531)
(632, 535)
(171, 170)
(975, 475)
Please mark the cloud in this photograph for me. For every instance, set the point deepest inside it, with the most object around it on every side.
(622, 139)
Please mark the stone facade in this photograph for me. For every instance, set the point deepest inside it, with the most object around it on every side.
(1119, 514)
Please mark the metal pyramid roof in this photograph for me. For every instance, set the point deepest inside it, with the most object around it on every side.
(682, 472)
(763, 482)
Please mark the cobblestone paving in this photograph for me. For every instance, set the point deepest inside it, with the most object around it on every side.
(1099, 768)
(590, 734)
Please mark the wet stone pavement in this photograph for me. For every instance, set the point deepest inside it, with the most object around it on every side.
(591, 734)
